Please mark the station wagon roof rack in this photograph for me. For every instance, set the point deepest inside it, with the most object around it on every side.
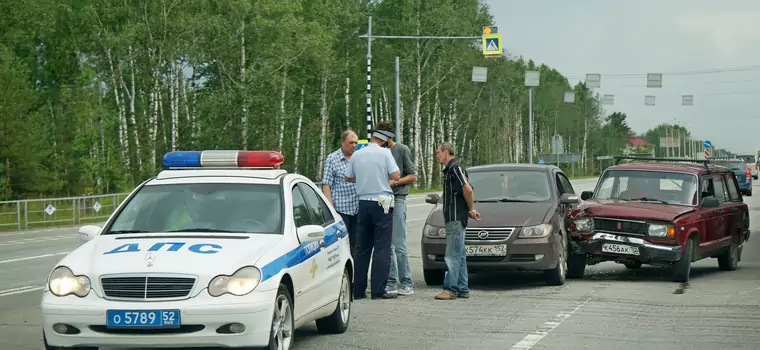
(704, 162)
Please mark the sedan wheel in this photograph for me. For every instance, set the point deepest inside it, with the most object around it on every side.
(557, 275)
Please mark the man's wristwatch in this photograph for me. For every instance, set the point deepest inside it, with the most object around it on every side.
(395, 183)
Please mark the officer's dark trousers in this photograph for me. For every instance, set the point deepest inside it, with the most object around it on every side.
(375, 230)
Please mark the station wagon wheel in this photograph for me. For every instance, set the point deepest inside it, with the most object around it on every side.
(281, 335)
(338, 321)
(682, 267)
(729, 260)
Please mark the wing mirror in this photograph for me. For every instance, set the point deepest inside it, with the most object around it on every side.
(432, 198)
(310, 233)
(569, 198)
(710, 202)
(88, 232)
(586, 195)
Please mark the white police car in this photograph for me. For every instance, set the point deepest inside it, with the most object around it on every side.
(222, 250)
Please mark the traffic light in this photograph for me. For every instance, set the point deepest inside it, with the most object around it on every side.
(490, 30)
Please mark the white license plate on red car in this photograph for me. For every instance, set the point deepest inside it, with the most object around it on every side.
(620, 249)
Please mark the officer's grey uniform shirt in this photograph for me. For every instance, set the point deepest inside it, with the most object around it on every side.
(371, 167)
(403, 157)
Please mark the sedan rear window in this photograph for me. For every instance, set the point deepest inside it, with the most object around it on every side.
(209, 207)
(518, 185)
(649, 186)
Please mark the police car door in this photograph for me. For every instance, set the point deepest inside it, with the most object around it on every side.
(308, 274)
(333, 270)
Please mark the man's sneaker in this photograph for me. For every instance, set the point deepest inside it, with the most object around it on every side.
(445, 295)
(463, 295)
(391, 291)
(406, 291)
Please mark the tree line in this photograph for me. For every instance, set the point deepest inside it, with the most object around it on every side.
(94, 93)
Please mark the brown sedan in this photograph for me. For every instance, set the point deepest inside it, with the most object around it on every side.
(522, 209)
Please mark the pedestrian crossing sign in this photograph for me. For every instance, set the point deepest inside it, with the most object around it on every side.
(361, 144)
(492, 45)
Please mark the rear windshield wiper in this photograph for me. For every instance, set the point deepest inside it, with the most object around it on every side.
(203, 230)
(124, 231)
(502, 200)
(647, 199)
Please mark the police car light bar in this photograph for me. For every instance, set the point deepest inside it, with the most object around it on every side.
(223, 159)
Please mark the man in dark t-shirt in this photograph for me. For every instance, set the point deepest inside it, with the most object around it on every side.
(458, 207)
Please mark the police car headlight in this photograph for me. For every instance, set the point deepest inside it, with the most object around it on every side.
(240, 283)
(63, 282)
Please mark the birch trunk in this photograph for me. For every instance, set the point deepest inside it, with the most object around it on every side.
(585, 143)
(323, 128)
(281, 122)
(433, 118)
(298, 132)
(244, 118)
(132, 120)
(417, 125)
(347, 97)
(119, 110)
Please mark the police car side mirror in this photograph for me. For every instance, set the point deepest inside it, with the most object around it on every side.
(310, 233)
(432, 198)
(88, 232)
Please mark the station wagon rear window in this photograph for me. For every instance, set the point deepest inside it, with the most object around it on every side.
(649, 186)
(209, 207)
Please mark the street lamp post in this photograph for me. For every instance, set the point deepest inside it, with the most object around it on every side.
(532, 79)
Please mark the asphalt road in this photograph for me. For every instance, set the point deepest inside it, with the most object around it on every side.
(612, 308)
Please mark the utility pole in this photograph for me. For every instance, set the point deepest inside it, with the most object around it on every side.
(491, 47)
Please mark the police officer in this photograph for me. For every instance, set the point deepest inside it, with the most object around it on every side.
(372, 169)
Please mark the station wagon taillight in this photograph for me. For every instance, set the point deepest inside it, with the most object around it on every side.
(749, 174)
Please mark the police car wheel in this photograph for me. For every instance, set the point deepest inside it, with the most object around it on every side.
(338, 321)
(281, 334)
(50, 347)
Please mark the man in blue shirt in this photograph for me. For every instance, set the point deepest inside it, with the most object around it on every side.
(372, 169)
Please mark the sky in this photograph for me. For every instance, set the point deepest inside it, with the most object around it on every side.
(705, 48)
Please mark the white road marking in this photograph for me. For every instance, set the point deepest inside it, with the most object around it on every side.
(31, 258)
(36, 240)
(19, 290)
(750, 291)
(532, 339)
(413, 220)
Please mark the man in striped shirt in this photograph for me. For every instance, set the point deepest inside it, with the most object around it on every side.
(458, 207)
(341, 193)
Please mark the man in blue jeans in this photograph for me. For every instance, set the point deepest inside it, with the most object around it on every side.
(372, 169)
(400, 276)
(458, 206)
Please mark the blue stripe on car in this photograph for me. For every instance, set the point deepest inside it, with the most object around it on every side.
(303, 252)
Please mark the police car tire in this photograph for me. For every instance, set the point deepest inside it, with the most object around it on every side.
(50, 347)
(283, 291)
(334, 324)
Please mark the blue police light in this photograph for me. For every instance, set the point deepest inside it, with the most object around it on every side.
(224, 159)
(183, 159)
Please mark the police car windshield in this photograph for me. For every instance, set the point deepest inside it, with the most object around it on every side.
(210, 207)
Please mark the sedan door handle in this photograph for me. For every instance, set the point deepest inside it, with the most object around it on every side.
(720, 211)
(734, 209)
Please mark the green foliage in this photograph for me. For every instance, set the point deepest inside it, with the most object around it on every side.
(94, 93)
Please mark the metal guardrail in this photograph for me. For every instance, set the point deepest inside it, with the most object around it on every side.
(29, 213)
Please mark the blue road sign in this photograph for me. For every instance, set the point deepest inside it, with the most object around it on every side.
(708, 144)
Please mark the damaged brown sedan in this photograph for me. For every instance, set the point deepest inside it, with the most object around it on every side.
(523, 208)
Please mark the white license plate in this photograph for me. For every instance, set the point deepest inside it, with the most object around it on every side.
(620, 249)
(487, 250)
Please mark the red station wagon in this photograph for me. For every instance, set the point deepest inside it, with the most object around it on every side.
(665, 212)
